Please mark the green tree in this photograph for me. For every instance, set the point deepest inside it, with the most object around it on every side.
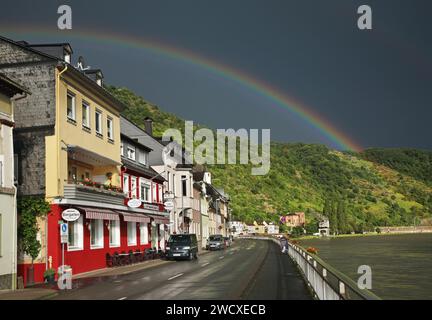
(29, 209)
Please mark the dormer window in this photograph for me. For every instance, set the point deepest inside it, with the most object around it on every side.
(131, 153)
(143, 157)
(99, 82)
(67, 58)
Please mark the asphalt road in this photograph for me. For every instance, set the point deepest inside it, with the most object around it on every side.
(249, 269)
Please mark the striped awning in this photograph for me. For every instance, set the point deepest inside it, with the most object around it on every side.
(99, 213)
(134, 217)
(160, 219)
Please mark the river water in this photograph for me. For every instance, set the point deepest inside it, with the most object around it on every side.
(401, 264)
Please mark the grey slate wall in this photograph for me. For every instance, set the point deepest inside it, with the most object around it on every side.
(34, 115)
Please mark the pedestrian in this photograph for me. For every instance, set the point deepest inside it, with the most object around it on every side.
(284, 244)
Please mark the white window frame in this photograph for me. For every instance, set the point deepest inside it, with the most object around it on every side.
(131, 156)
(126, 184)
(133, 191)
(114, 229)
(131, 233)
(110, 128)
(85, 107)
(121, 148)
(72, 95)
(80, 235)
(148, 195)
(99, 229)
(144, 236)
(99, 115)
(143, 157)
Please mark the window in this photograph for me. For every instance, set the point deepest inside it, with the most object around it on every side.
(73, 176)
(85, 115)
(160, 193)
(133, 187)
(184, 187)
(142, 158)
(145, 191)
(126, 184)
(114, 233)
(131, 153)
(71, 106)
(143, 233)
(121, 149)
(96, 233)
(110, 129)
(154, 192)
(131, 233)
(75, 241)
(98, 120)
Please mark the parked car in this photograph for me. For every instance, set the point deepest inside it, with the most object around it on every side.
(215, 242)
(228, 241)
(182, 246)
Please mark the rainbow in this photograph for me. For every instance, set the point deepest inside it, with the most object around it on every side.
(333, 134)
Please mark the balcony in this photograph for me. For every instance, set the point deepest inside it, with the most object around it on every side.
(89, 191)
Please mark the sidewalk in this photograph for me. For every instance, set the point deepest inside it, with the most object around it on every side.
(27, 294)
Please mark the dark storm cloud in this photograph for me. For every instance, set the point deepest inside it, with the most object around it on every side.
(373, 85)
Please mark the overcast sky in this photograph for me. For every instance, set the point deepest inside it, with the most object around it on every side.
(375, 86)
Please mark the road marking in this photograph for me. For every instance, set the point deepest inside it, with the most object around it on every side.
(221, 257)
(122, 298)
(176, 276)
(205, 264)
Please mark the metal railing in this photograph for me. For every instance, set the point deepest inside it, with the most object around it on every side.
(326, 282)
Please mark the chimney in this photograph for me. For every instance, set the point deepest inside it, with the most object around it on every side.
(148, 124)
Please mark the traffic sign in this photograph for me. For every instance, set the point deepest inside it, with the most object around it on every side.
(64, 232)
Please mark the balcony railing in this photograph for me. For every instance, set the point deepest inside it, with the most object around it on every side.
(95, 192)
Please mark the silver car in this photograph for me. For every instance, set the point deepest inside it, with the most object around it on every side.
(215, 242)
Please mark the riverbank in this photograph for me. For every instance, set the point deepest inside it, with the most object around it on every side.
(396, 232)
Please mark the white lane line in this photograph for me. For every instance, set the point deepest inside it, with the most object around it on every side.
(176, 276)
(205, 264)
(221, 257)
(122, 298)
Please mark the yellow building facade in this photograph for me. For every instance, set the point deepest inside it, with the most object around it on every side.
(86, 144)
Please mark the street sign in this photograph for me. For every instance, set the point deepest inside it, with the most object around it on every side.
(64, 233)
(169, 205)
(134, 203)
(70, 214)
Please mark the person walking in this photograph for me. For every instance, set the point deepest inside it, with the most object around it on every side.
(284, 244)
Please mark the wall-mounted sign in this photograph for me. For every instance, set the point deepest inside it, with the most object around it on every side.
(169, 196)
(64, 233)
(169, 205)
(150, 206)
(70, 214)
(134, 203)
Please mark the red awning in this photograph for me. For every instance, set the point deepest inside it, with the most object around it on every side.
(101, 214)
(134, 217)
(160, 219)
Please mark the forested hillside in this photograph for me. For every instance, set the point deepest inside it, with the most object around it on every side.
(358, 191)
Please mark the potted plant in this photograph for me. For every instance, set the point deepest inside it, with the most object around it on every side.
(49, 276)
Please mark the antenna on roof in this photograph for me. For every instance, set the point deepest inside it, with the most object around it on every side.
(81, 64)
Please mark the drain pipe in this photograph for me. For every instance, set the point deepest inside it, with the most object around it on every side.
(14, 208)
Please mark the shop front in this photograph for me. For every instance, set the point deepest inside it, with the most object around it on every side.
(100, 232)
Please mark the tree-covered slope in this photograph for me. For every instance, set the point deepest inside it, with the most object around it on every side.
(412, 162)
(304, 177)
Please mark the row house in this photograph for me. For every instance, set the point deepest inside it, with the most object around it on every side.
(144, 187)
(10, 91)
(178, 175)
(68, 148)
